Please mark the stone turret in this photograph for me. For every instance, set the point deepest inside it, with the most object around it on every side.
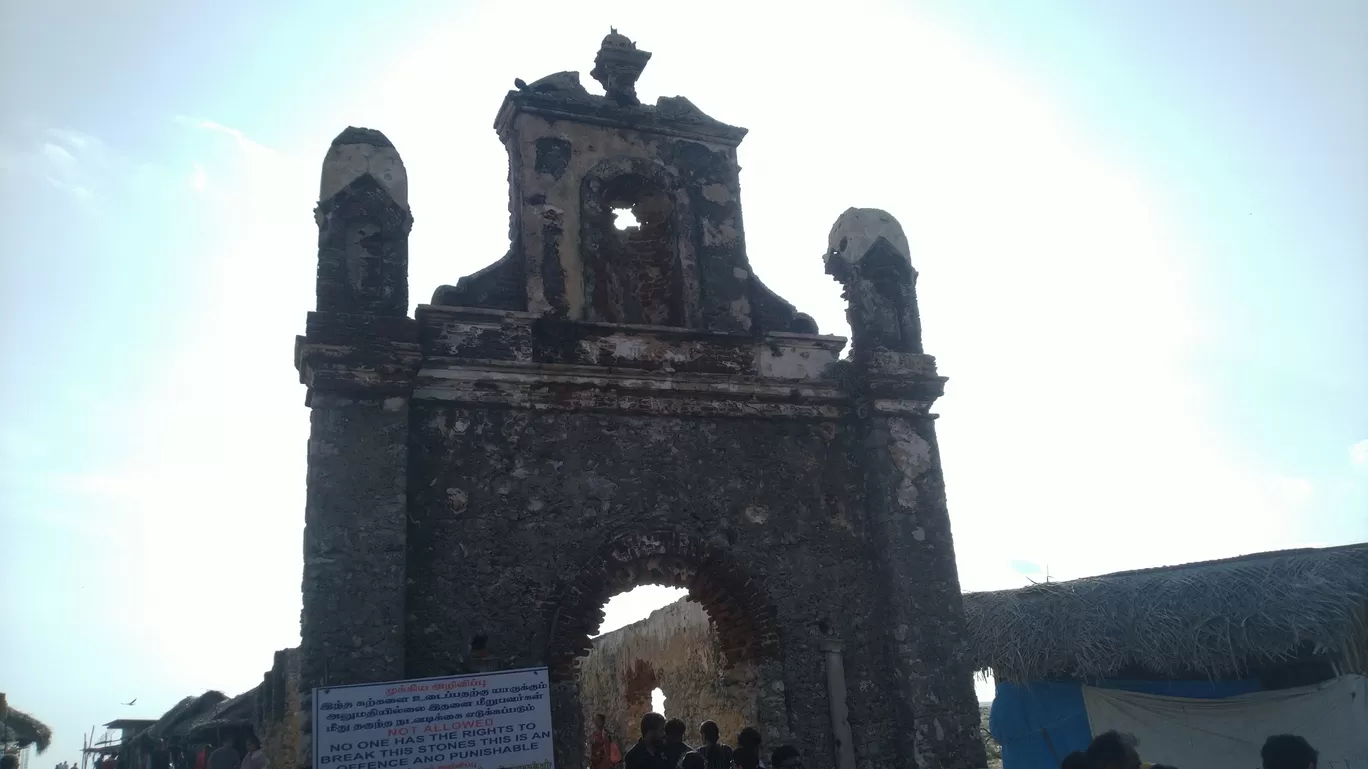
(358, 358)
(363, 226)
(868, 253)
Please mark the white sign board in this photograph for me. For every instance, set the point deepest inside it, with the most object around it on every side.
(496, 720)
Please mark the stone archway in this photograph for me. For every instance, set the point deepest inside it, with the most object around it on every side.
(482, 478)
(744, 622)
(746, 625)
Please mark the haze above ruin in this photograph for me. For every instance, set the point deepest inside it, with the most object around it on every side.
(1138, 228)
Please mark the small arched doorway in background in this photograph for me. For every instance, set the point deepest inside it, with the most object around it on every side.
(722, 665)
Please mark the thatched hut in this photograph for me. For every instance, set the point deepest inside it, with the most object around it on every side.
(1212, 630)
(172, 726)
(21, 730)
(175, 721)
(229, 718)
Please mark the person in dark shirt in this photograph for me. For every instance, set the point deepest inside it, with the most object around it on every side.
(1112, 750)
(786, 757)
(161, 756)
(717, 755)
(1288, 751)
(749, 739)
(746, 758)
(648, 752)
(675, 746)
(1075, 760)
(226, 757)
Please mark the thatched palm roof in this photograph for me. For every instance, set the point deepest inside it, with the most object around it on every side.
(1213, 618)
(23, 729)
(185, 712)
(237, 713)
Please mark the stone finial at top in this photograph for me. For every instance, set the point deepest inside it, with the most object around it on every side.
(617, 66)
(360, 151)
(363, 227)
(868, 253)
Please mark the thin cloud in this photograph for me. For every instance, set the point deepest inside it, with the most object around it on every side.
(73, 162)
(78, 191)
(58, 156)
(1358, 453)
(75, 139)
(248, 145)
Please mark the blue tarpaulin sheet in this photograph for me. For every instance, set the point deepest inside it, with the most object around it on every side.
(1023, 714)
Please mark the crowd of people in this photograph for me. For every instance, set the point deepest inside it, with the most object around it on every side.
(662, 746)
(1113, 750)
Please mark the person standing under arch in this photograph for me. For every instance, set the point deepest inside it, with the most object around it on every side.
(648, 753)
(675, 746)
(715, 754)
(603, 750)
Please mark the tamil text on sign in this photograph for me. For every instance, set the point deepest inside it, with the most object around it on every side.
(496, 720)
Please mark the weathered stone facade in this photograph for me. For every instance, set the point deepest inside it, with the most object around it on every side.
(276, 720)
(677, 650)
(603, 408)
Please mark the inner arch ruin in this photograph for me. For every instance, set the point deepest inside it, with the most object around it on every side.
(597, 410)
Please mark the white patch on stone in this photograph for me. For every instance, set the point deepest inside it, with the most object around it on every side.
(394, 404)
(900, 632)
(907, 494)
(757, 513)
(912, 456)
(741, 310)
(919, 534)
(724, 234)
(456, 500)
(859, 228)
(740, 273)
(347, 162)
(717, 193)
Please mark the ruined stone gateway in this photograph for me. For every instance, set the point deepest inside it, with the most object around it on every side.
(603, 408)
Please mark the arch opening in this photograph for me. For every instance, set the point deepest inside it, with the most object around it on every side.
(703, 657)
(745, 624)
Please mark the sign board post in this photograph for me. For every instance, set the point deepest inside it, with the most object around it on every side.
(499, 720)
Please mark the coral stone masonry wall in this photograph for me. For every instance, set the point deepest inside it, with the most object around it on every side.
(605, 408)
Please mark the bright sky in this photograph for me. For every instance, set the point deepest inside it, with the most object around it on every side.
(1139, 225)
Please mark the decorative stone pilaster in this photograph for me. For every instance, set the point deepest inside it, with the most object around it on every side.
(358, 357)
(909, 525)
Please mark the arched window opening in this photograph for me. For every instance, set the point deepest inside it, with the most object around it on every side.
(635, 270)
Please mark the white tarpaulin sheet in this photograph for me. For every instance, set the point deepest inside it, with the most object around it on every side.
(1228, 733)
